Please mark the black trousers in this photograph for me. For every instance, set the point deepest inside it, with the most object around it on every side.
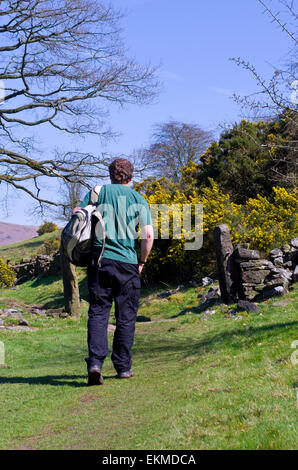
(119, 282)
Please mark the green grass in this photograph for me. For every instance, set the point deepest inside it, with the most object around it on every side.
(25, 249)
(221, 383)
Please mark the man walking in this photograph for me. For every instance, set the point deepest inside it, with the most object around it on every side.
(117, 278)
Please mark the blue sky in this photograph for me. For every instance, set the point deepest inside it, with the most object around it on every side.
(193, 41)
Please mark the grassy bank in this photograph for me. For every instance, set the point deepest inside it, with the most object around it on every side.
(201, 381)
(25, 249)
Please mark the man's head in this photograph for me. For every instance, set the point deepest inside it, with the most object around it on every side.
(121, 171)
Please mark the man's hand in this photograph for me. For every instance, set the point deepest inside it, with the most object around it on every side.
(76, 209)
(140, 267)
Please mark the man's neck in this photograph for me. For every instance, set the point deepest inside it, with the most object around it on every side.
(123, 184)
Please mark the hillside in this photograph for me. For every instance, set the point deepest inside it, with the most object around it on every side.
(24, 249)
(11, 233)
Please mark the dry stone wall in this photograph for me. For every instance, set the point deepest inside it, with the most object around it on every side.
(259, 278)
(38, 266)
(247, 275)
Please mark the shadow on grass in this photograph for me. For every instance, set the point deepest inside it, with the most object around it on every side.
(166, 348)
(232, 339)
(55, 380)
(200, 308)
(54, 300)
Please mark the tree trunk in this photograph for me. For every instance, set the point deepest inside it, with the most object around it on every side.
(70, 286)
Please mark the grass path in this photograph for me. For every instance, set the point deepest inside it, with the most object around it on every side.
(221, 383)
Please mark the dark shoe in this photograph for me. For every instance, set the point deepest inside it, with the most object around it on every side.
(125, 375)
(94, 376)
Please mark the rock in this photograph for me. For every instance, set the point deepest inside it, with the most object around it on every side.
(294, 243)
(281, 272)
(256, 277)
(14, 313)
(111, 328)
(247, 306)
(279, 281)
(23, 322)
(276, 253)
(285, 248)
(288, 265)
(278, 261)
(278, 290)
(244, 253)
(212, 294)
(1, 322)
(250, 294)
(258, 264)
(227, 274)
(295, 274)
(37, 311)
(206, 281)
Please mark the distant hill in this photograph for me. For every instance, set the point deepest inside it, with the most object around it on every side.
(12, 233)
(14, 252)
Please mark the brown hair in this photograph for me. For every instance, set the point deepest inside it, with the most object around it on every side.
(121, 171)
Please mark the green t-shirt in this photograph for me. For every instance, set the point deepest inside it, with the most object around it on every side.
(122, 209)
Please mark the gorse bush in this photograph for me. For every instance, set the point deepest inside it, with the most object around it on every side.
(264, 223)
(47, 227)
(51, 246)
(7, 275)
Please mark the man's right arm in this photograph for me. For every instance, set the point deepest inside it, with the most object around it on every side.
(147, 239)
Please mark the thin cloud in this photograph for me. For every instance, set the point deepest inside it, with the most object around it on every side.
(172, 75)
(225, 91)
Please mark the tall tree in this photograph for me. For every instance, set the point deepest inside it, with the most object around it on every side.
(241, 164)
(61, 63)
(175, 144)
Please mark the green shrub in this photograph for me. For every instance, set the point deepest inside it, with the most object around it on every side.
(47, 227)
(7, 275)
(51, 246)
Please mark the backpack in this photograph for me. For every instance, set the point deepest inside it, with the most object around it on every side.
(78, 235)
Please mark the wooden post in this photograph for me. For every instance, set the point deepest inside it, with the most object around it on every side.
(70, 287)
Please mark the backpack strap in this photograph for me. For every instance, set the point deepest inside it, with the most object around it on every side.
(94, 200)
(94, 195)
(100, 221)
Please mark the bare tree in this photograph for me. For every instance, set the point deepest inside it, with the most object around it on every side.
(62, 63)
(277, 98)
(175, 144)
(280, 93)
